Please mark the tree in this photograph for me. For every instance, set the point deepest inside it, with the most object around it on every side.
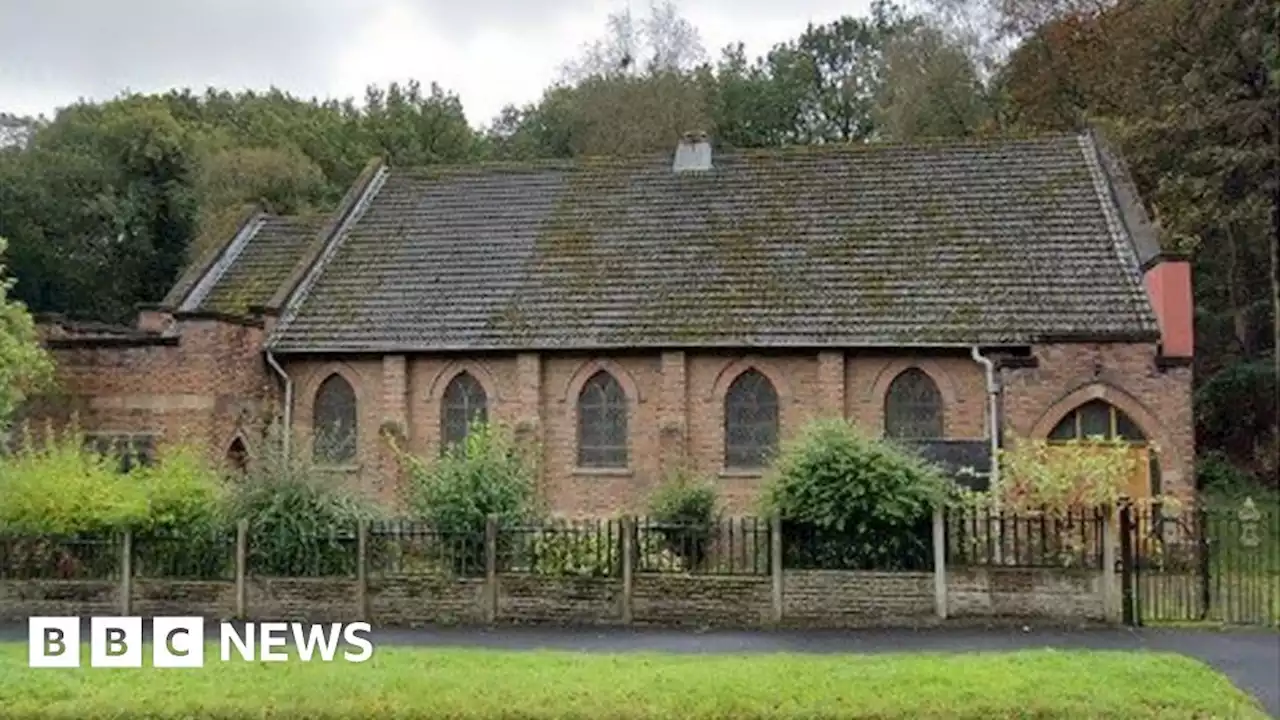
(661, 42)
(931, 89)
(834, 72)
(1187, 91)
(25, 367)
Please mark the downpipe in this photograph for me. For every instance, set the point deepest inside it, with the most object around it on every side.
(993, 434)
(288, 403)
(993, 412)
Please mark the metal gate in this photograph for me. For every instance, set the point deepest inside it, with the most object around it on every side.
(1216, 563)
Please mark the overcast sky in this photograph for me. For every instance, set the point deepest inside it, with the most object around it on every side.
(490, 52)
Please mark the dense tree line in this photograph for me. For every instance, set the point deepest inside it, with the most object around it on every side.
(105, 202)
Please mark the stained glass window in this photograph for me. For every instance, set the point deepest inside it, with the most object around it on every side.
(464, 403)
(334, 422)
(602, 423)
(913, 407)
(750, 421)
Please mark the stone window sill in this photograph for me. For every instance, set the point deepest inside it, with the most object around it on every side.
(741, 473)
(603, 471)
(348, 468)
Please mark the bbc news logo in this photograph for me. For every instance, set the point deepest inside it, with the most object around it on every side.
(179, 642)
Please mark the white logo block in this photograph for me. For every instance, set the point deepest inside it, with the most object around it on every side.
(53, 642)
(115, 642)
(177, 642)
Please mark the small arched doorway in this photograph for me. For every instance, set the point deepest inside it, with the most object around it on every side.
(1098, 419)
(237, 457)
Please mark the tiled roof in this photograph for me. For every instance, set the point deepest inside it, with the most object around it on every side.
(1002, 242)
(262, 263)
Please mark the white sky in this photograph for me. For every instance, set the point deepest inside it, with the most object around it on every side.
(490, 52)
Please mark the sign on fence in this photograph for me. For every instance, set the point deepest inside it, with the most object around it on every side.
(179, 642)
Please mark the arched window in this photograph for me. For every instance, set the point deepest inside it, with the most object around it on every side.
(602, 423)
(1101, 419)
(1097, 418)
(464, 403)
(334, 422)
(750, 421)
(913, 407)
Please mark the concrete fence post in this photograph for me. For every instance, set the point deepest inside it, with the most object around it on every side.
(628, 566)
(775, 565)
(940, 562)
(242, 568)
(1110, 605)
(362, 569)
(126, 573)
(491, 568)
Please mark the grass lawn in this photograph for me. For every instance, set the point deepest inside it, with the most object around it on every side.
(422, 683)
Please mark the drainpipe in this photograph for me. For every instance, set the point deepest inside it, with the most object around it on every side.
(993, 412)
(288, 401)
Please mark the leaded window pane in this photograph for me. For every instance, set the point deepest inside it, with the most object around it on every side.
(464, 403)
(913, 407)
(750, 421)
(602, 423)
(1095, 420)
(334, 422)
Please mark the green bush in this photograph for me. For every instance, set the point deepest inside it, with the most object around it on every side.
(57, 486)
(302, 519)
(556, 552)
(847, 500)
(685, 508)
(486, 475)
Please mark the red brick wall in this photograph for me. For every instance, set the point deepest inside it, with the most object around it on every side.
(1125, 375)
(204, 390)
(676, 407)
(216, 375)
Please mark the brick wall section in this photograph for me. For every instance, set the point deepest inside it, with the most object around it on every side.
(212, 599)
(1024, 593)
(676, 407)
(559, 600)
(409, 600)
(215, 384)
(210, 386)
(829, 598)
(20, 599)
(302, 599)
(721, 601)
(674, 433)
(1126, 376)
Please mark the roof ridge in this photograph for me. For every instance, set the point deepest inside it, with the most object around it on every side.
(798, 149)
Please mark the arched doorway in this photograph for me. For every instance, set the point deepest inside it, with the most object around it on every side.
(1100, 419)
(238, 457)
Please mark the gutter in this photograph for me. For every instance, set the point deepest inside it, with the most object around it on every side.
(288, 403)
(993, 413)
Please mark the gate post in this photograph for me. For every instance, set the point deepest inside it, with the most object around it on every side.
(1129, 613)
(1206, 594)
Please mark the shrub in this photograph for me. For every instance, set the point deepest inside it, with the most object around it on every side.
(685, 508)
(1038, 474)
(556, 552)
(486, 475)
(302, 519)
(851, 501)
(60, 487)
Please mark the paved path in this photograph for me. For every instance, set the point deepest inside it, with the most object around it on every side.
(1251, 658)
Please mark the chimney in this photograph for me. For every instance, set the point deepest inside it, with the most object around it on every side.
(693, 153)
(1168, 280)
